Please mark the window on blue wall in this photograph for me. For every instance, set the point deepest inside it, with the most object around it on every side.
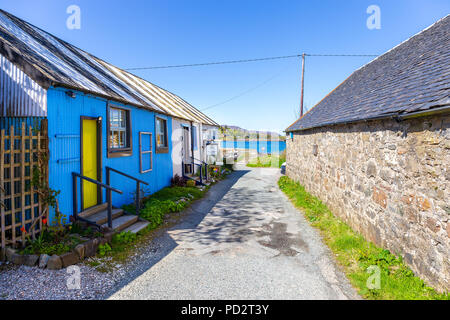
(161, 135)
(119, 131)
(194, 138)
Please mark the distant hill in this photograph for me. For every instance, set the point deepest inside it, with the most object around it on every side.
(228, 132)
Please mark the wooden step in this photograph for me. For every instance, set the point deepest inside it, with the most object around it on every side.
(93, 210)
(136, 227)
(122, 222)
(102, 216)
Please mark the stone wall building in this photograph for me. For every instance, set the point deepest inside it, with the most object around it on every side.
(376, 150)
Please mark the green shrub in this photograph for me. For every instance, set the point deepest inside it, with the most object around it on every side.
(154, 210)
(46, 248)
(104, 249)
(164, 201)
(124, 238)
(190, 183)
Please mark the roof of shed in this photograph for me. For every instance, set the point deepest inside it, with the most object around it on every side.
(51, 61)
(411, 77)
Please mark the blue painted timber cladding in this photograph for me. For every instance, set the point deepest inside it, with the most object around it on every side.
(64, 115)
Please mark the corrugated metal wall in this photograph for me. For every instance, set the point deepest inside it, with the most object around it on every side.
(20, 96)
(64, 145)
(16, 122)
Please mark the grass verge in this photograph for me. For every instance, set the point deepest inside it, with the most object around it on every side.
(273, 161)
(356, 254)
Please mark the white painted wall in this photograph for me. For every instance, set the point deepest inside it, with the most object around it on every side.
(204, 133)
(177, 144)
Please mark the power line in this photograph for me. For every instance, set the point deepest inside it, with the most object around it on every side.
(214, 63)
(245, 92)
(249, 60)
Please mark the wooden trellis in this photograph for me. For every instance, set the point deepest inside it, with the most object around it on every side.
(20, 204)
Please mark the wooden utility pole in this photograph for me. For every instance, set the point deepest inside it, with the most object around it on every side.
(303, 83)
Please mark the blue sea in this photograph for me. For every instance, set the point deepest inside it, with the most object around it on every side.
(261, 146)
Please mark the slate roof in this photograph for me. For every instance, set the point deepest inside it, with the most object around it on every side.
(412, 76)
(51, 61)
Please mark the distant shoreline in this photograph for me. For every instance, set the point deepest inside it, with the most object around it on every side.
(253, 140)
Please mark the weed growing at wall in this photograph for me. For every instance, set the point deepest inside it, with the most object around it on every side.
(356, 254)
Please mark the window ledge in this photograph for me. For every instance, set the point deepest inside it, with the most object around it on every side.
(119, 153)
(162, 150)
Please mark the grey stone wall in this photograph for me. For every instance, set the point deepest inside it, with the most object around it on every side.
(389, 180)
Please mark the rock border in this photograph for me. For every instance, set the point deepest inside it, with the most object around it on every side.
(56, 262)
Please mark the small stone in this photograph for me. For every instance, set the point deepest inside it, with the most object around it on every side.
(371, 169)
(9, 253)
(101, 241)
(424, 203)
(432, 224)
(43, 259)
(90, 248)
(380, 197)
(54, 263)
(108, 236)
(18, 259)
(448, 229)
(69, 259)
(79, 249)
(30, 260)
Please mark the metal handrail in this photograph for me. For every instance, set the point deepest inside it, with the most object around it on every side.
(108, 188)
(138, 184)
(124, 174)
(206, 167)
(201, 171)
(199, 160)
(201, 168)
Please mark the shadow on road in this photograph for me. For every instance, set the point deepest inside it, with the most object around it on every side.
(163, 243)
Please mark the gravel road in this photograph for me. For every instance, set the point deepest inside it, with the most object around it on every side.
(245, 240)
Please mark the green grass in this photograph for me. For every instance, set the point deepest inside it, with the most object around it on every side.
(267, 162)
(356, 254)
(175, 193)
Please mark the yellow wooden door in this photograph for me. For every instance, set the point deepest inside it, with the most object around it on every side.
(89, 159)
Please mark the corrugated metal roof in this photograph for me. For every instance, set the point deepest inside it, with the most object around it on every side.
(52, 61)
(20, 96)
(413, 76)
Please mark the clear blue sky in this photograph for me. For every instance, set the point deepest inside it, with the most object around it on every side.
(150, 33)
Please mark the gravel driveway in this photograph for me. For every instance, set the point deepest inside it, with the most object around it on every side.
(245, 240)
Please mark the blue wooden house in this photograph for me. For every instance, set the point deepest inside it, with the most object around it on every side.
(109, 131)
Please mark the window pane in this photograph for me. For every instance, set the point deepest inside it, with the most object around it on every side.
(123, 139)
(114, 139)
(122, 118)
(161, 140)
(118, 128)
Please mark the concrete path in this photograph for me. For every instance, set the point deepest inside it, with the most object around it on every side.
(243, 241)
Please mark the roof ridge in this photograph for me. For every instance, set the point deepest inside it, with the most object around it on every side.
(403, 42)
(359, 74)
